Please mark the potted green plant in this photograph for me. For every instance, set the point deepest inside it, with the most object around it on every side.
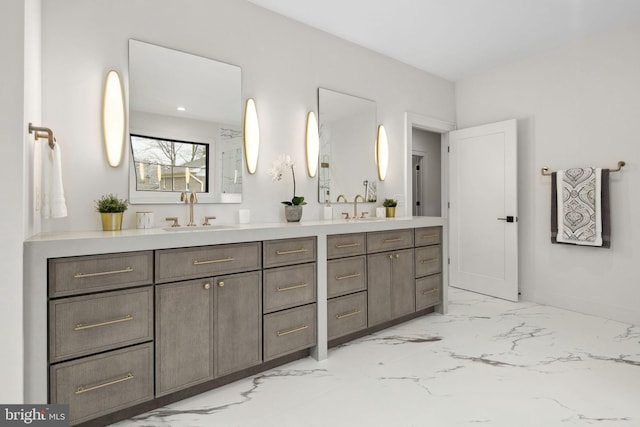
(390, 204)
(111, 208)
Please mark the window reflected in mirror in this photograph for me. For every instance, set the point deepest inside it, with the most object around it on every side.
(166, 165)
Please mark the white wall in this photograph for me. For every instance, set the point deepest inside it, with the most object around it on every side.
(576, 106)
(19, 92)
(283, 63)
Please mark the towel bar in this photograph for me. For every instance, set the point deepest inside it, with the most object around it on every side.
(621, 163)
(48, 134)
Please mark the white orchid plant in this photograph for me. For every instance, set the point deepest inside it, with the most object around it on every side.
(277, 170)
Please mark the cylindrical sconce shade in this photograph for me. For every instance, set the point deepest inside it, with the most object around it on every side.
(113, 118)
(251, 136)
(313, 144)
(382, 153)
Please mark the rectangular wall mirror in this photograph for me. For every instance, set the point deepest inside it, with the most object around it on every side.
(347, 146)
(185, 126)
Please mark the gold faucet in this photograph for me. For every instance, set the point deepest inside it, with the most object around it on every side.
(343, 198)
(190, 200)
(355, 205)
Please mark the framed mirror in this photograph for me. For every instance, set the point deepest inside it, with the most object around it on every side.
(185, 126)
(347, 146)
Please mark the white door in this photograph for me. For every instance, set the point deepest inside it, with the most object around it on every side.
(483, 245)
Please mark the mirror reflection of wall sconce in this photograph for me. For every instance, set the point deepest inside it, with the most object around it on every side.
(113, 118)
(312, 144)
(382, 153)
(251, 136)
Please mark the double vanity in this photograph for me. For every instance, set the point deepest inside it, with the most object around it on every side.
(118, 323)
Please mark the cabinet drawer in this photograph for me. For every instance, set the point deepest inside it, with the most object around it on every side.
(76, 275)
(90, 324)
(428, 291)
(380, 241)
(428, 260)
(341, 245)
(346, 315)
(289, 251)
(191, 263)
(428, 236)
(345, 276)
(97, 385)
(288, 331)
(286, 287)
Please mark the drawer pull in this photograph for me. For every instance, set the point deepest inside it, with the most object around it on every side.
(348, 245)
(289, 288)
(80, 326)
(430, 291)
(397, 239)
(348, 276)
(213, 261)
(82, 389)
(102, 273)
(428, 236)
(348, 314)
(429, 261)
(290, 331)
(295, 251)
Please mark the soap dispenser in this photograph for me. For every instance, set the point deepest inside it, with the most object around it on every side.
(328, 211)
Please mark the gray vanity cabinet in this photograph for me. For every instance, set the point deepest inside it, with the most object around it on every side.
(184, 334)
(237, 322)
(207, 328)
(428, 267)
(391, 286)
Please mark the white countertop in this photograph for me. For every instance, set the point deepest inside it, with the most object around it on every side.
(59, 244)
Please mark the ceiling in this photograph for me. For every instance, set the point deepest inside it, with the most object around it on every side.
(455, 39)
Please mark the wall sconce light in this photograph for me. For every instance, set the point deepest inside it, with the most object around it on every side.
(313, 144)
(382, 153)
(113, 118)
(251, 136)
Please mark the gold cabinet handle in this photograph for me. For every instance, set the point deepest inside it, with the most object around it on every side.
(397, 256)
(221, 284)
(102, 273)
(291, 331)
(289, 288)
(429, 261)
(214, 261)
(82, 389)
(348, 276)
(390, 256)
(295, 251)
(397, 239)
(347, 245)
(428, 236)
(430, 291)
(348, 314)
(207, 286)
(80, 326)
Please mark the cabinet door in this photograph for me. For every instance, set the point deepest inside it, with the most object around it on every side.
(403, 287)
(238, 322)
(379, 287)
(184, 331)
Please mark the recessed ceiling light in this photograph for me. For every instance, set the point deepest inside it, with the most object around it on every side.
(181, 108)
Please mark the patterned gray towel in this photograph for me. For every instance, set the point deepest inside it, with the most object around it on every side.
(580, 207)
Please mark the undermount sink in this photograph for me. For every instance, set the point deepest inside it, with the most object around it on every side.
(200, 228)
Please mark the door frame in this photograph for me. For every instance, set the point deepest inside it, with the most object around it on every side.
(414, 120)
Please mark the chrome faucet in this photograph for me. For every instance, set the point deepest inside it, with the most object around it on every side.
(190, 199)
(355, 205)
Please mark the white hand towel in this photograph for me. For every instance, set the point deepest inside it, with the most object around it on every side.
(54, 204)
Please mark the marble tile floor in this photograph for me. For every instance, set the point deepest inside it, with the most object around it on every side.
(487, 362)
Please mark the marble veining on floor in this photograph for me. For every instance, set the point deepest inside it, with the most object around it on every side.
(487, 362)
